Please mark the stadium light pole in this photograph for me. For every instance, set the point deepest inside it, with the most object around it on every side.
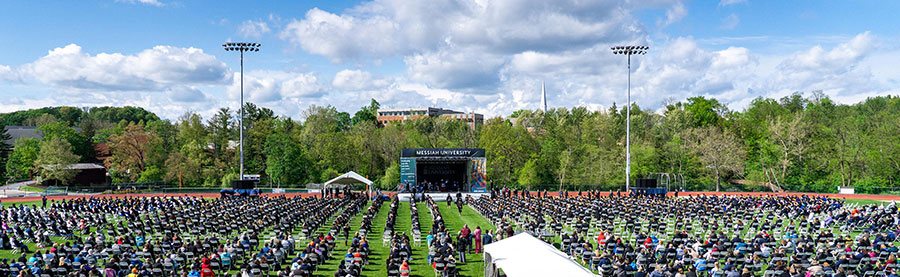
(628, 51)
(242, 47)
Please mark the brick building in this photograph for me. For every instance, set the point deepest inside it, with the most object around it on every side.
(387, 116)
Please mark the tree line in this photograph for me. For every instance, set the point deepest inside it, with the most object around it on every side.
(795, 143)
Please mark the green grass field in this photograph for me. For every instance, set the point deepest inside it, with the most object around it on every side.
(26, 203)
(31, 189)
(866, 201)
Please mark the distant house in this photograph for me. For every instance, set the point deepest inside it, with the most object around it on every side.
(17, 132)
(88, 175)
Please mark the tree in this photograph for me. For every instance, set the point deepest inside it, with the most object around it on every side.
(507, 147)
(528, 174)
(54, 159)
(128, 114)
(367, 114)
(21, 161)
(41, 120)
(221, 130)
(151, 174)
(790, 136)
(565, 159)
(706, 111)
(5, 150)
(719, 151)
(182, 167)
(285, 160)
(391, 177)
(81, 145)
(130, 151)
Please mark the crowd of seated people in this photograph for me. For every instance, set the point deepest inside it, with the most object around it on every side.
(640, 235)
(441, 248)
(400, 253)
(156, 236)
(358, 253)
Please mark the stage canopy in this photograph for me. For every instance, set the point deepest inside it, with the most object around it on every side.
(524, 255)
(349, 178)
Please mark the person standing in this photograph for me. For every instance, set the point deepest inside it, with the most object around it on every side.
(461, 248)
(44, 200)
(346, 233)
(464, 235)
(477, 239)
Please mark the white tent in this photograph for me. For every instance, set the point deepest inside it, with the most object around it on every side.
(348, 179)
(524, 255)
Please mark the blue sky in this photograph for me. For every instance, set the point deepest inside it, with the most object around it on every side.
(471, 55)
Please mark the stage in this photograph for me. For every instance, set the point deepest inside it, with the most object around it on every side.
(441, 196)
(444, 169)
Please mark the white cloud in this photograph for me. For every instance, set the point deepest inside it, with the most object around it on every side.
(455, 69)
(146, 2)
(388, 28)
(675, 13)
(152, 69)
(839, 59)
(730, 2)
(730, 22)
(356, 80)
(254, 29)
(151, 2)
(351, 79)
(185, 94)
(343, 37)
(6, 73)
(274, 86)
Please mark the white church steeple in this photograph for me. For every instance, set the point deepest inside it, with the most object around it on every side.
(543, 97)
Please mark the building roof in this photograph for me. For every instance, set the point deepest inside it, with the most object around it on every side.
(81, 166)
(17, 132)
(405, 109)
(438, 110)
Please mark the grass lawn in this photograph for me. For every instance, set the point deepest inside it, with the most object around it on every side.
(865, 201)
(26, 203)
(31, 189)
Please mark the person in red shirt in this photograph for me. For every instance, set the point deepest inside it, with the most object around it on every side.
(207, 272)
(601, 239)
(204, 261)
(357, 255)
(404, 269)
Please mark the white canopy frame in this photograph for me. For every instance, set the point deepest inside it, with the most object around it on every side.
(525, 255)
(350, 178)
